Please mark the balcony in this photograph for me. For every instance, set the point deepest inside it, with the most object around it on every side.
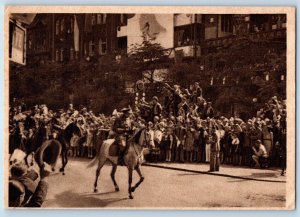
(263, 35)
(186, 51)
(186, 19)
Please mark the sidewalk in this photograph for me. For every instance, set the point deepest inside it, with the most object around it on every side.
(235, 172)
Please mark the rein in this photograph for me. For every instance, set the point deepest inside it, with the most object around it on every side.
(134, 148)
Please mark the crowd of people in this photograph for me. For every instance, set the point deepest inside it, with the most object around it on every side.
(181, 125)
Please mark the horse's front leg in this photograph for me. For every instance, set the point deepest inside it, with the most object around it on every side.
(112, 174)
(129, 182)
(139, 171)
(62, 169)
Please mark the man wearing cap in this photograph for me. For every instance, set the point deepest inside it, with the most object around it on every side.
(122, 127)
(156, 107)
(214, 142)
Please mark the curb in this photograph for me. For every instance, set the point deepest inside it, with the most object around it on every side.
(212, 174)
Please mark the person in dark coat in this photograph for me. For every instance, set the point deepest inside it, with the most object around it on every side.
(209, 110)
(23, 190)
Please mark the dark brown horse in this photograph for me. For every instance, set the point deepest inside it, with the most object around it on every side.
(64, 137)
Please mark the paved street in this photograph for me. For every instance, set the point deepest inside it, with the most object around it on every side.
(167, 188)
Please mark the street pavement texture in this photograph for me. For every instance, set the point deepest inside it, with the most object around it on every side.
(167, 185)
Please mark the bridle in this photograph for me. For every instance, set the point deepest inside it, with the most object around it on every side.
(143, 146)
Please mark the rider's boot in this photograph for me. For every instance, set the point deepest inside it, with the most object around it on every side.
(121, 156)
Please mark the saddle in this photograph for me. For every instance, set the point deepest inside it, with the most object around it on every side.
(114, 150)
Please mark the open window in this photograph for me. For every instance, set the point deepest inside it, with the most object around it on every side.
(187, 35)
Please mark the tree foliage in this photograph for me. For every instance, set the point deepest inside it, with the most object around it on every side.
(146, 57)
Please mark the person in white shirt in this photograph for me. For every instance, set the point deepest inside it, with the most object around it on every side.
(260, 152)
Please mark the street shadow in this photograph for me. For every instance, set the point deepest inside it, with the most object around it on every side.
(70, 199)
(261, 177)
(264, 175)
(100, 193)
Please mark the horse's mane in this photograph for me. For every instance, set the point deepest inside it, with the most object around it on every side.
(136, 136)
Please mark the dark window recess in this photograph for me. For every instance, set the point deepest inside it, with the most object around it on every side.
(259, 22)
(123, 20)
(186, 35)
(227, 23)
(11, 32)
(122, 42)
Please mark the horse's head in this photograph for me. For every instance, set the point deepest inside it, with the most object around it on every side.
(144, 138)
(73, 129)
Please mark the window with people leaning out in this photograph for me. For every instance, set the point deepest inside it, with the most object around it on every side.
(185, 35)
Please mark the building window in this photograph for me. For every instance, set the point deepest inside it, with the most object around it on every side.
(104, 18)
(122, 42)
(71, 53)
(99, 19)
(259, 22)
(184, 35)
(85, 49)
(62, 55)
(93, 20)
(57, 26)
(72, 25)
(226, 23)
(62, 25)
(91, 48)
(29, 44)
(123, 19)
(102, 46)
(44, 43)
(57, 56)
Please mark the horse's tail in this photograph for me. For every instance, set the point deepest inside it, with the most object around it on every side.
(93, 162)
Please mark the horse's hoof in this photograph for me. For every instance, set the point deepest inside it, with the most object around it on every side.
(63, 173)
(95, 190)
(132, 189)
(61, 170)
(117, 189)
(53, 169)
(130, 197)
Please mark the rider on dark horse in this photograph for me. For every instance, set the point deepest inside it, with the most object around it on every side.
(57, 124)
(123, 128)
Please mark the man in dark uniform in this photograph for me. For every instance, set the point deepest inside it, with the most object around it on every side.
(56, 124)
(123, 127)
(209, 110)
(30, 122)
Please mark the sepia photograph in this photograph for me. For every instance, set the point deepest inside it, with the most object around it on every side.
(150, 107)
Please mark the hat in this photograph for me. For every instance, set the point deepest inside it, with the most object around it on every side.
(155, 98)
(18, 170)
(125, 110)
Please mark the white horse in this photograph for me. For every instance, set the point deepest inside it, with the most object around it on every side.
(133, 159)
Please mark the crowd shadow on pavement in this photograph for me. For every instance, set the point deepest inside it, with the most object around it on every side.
(261, 177)
(70, 199)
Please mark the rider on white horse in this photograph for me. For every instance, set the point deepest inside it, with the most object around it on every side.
(122, 127)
